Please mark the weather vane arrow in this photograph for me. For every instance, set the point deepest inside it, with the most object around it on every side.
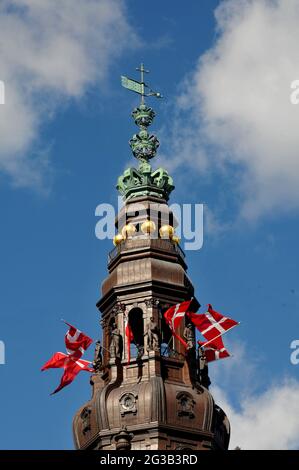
(139, 87)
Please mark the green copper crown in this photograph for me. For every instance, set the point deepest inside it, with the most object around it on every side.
(143, 145)
(143, 181)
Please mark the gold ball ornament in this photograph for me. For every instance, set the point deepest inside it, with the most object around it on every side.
(166, 231)
(148, 226)
(128, 230)
(118, 239)
(176, 239)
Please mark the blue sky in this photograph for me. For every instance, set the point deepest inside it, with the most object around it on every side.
(228, 136)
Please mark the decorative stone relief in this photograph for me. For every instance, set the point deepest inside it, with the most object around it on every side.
(128, 403)
(185, 405)
(151, 302)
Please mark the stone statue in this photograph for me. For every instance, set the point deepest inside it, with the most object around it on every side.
(115, 342)
(153, 336)
(98, 358)
(189, 336)
(203, 370)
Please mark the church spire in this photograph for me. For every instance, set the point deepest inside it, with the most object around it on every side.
(144, 147)
(148, 391)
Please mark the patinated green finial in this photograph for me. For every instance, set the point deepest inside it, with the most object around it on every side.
(144, 146)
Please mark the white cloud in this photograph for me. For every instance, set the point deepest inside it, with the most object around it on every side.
(263, 410)
(236, 116)
(239, 373)
(51, 51)
(267, 421)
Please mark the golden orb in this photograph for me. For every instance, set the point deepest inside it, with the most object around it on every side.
(166, 231)
(176, 239)
(118, 239)
(148, 226)
(128, 230)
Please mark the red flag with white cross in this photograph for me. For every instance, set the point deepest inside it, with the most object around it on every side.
(212, 324)
(174, 315)
(214, 350)
(76, 344)
(71, 366)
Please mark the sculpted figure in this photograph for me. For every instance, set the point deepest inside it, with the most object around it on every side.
(189, 336)
(98, 358)
(115, 342)
(203, 369)
(153, 337)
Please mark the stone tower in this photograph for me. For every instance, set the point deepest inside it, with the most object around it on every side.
(147, 395)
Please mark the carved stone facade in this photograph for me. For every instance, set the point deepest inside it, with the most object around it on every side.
(156, 395)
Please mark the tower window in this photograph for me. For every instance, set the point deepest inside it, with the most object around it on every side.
(137, 327)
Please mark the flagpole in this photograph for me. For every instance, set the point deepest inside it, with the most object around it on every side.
(68, 324)
(221, 334)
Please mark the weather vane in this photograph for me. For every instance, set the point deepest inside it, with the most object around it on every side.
(139, 87)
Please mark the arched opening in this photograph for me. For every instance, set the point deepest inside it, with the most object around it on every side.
(138, 229)
(137, 327)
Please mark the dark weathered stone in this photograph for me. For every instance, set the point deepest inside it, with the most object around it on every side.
(155, 396)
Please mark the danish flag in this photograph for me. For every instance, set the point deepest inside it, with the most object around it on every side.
(214, 350)
(212, 324)
(71, 366)
(76, 342)
(174, 316)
